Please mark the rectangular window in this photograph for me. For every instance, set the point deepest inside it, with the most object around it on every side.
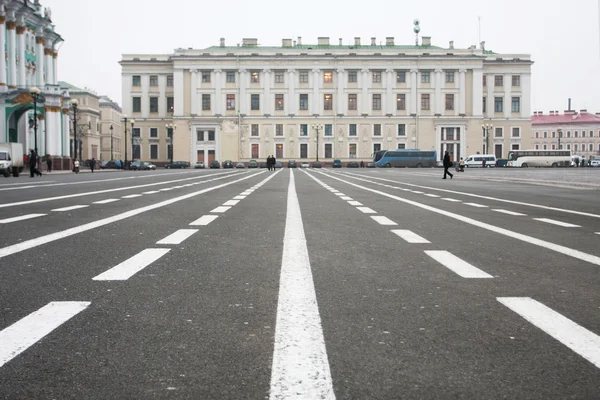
(153, 104)
(254, 102)
(352, 131)
(303, 129)
(135, 132)
(449, 102)
(153, 151)
(255, 77)
(279, 77)
(230, 77)
(303, 77)
(230, 102)
(498, 80)
(498, 104)
(401, 76)
(449, 77)
(255, 153)
(205, 76)
(327, 77)
(484, 104)
(279, 102)
(484, 80)
(352, 150)
(376, 77)
(376, 102)
(582, 133)
(377, 130)
(254, 130)
(153, 80)
(303, 101)
(211, 136)
(328, 102)
(352, 77)
(169, 80)
(516, 132)
(401, 130)
(498, 132)
(376, 147)
(328, 150)
(170, 104)
(401, 146)
(352, 100)
(137, 104)
(401, 102)
(516, 80)
(206, 102)
(328, 129)
(516, 105)
(200, 135)
(425, 102)
(278, 129)
(425, 77)
(516, 147)
(136, 80)
(279, 150)
(137, 152)
(304, 150)
(153, 132)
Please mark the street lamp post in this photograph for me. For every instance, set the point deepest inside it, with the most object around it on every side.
(317, 127)
(170, 131)
(35, 93)
(74, 104)
(487, 128)
(132, 145)
(111, 142)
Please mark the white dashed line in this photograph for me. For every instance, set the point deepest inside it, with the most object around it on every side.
(452, 200)
(132, 266)
(346, 198)
(231, 203)
(340, 194)
(152, 192)
(177, 187)
(69, 208)
(355, 203)
(20, 218)
(458, 266)
(366, 210)
(432, 195)
(476, 205)
(131, 196)
(204, 220)
(516, 214)
(410, 236)
(239, 197)
(166, 189)
(417, 192)
(384, 221)
(178, 237)
(106, 201)
(221, 209)
(559, 223)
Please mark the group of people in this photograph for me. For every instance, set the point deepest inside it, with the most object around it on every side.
(271, 161)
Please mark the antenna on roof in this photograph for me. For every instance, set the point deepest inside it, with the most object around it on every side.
(416, 30)
(479, 18)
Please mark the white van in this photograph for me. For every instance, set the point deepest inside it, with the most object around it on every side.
(476, 161)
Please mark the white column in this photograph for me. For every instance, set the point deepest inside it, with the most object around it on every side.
(242, 100)
(21, 77)
(54, 68)
(162, 99)
(49, 65)
(218, 101)
(3, 83)
(39, 61)
(12, 54)
(341, 85)
(178, 93)
(463, 92)
(194, 93)
(315, 104)
(477, 92)
(526, 95)
(53, 132)
(365, 84)
(413, 92)
(66, 144)
(267, 104)
(291, 101)
(490, 96)
(438, 102)
(145, 101)
(507, 93)
(389, 96)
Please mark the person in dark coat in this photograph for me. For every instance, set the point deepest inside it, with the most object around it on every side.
(93, 164)
(447, 164)
(49, 162)
(269, 162)
(33, 161)
(273, 162)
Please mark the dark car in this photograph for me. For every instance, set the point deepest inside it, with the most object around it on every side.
(227, 164)
(148, 166)
(501, 162)
(263, 165)
(109, 165)
(371, 165)
(292, 164)
(136, 166)
(352, 164)
(176, 164)
(214, 164)
(252, 164)
(199, 165)
(337, 163)
(278, 165)
(317, 165)
(240, 165)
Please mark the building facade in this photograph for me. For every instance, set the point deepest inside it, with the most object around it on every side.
(30, 60)
(110, 130)
(248, 101)
(572, 130)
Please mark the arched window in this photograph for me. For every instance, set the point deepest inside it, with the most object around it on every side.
(583, 147)
(537, 146)
(545, 135)
(537, 135)
(575, 147)
(545, 147)
(568, 147)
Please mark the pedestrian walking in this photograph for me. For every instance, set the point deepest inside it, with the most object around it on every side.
(49, 162)
(93, 164)
(76, 166)
(362, 164)
(269, 163)
(273, 161)
(461, 165)
(447, 164)
(33, 163)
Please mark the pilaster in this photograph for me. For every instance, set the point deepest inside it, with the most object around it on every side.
(40, 43)
(341, 84)
(507, 95)
(389, 97)
(3, 83)
(291, 101)
(438, 102)
(267, 104)
(21, 77)
(463, 91)
(413, 92)
(11, 26)
(218, 101)
(315, 104)
(365, 84)
(477, 92)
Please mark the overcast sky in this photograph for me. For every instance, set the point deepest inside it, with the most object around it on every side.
(562, 36)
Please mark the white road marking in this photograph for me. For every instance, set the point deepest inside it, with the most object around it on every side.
(247, 193)
(340, 194)
(107, 201)
(516, 214)
(346, 198)
(239, 197)
(476, 205)
(429, 195)
(178, 237)
(355, 203)
(559, 223)
(26, 332)
(131, 196)
(132, 266)
(366, 210)
(204, 220)
(384, 221)
(20, 218)
(152, 192)
(69, 208)
(414, 191)
(572, 335)
(220, 209)
(452, 200)
(300, 366)
(455, 264)
(166, 189)
(231, 203)
(410, 236)
(177, 187)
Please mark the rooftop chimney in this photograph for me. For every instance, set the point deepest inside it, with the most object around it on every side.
(294, 43)
(426, 41)
(323, 41)
(569, 104)
(389, 41)
(222, 44)
(583, 111)
(482, 44)
(451, 44)
(249, 42)
(341, 42)
(357, 41)
(373, 41)
(551, 112)
(286, 42)
(299, 40)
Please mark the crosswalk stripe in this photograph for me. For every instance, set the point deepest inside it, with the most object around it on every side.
(178, 237)
(20, 218)
(410, 236)
(559, 223)
(231, 203)
(26, 332)
(366, 210)
(239, 197)
(572, 335)
(204, 220)
(355, 203)
(458, 266)
(383, 220)
(346, 198)
(132, 266)
(220, 209)
(71, 208)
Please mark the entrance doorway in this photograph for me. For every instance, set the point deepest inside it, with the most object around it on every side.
(498, 150)
(211, 156)
(200, 156)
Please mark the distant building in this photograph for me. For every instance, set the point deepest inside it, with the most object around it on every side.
(110, 139)
(572, 130)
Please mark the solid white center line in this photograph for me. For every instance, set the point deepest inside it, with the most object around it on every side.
(231, 203)
(220, 209)
(69, 208)
(131, 196)
(105, 201)
(366, 210)
(204, 220)
(346, 198)
(516, 214)
(24, 333)
(300, 366)
(20, 218)
(178, 237)
(355, 203)
(132, 266)
(460, 267)
(572, 335)
(476, 205)
(152, 192)
(239, 197)
(559, 223)
(384, 221)
(432, 195)
(452, 200)
(410, 236)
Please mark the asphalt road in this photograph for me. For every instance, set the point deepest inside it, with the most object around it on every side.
(301, 284)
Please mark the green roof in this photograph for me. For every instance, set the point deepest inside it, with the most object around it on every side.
(67, 85)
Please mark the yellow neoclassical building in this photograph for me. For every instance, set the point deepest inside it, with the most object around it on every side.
(345, 101)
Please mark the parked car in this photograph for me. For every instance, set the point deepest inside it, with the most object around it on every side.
(149, 166)
(352, 164)
(240, 165)
(304, 165)
(214, 164)
(199, 165)
(278, 165)
(501, 162)
(112, 164)
(595, 163)
(177, 164)
(136, 166)
(227, 164)
(371, 165)
(263, 164)
(292, 164)
(252, 164)
(317, 165)
(337, 163)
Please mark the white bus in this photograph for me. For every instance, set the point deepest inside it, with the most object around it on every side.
(539, 158)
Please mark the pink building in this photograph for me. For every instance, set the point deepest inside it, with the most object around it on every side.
(572, 130)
